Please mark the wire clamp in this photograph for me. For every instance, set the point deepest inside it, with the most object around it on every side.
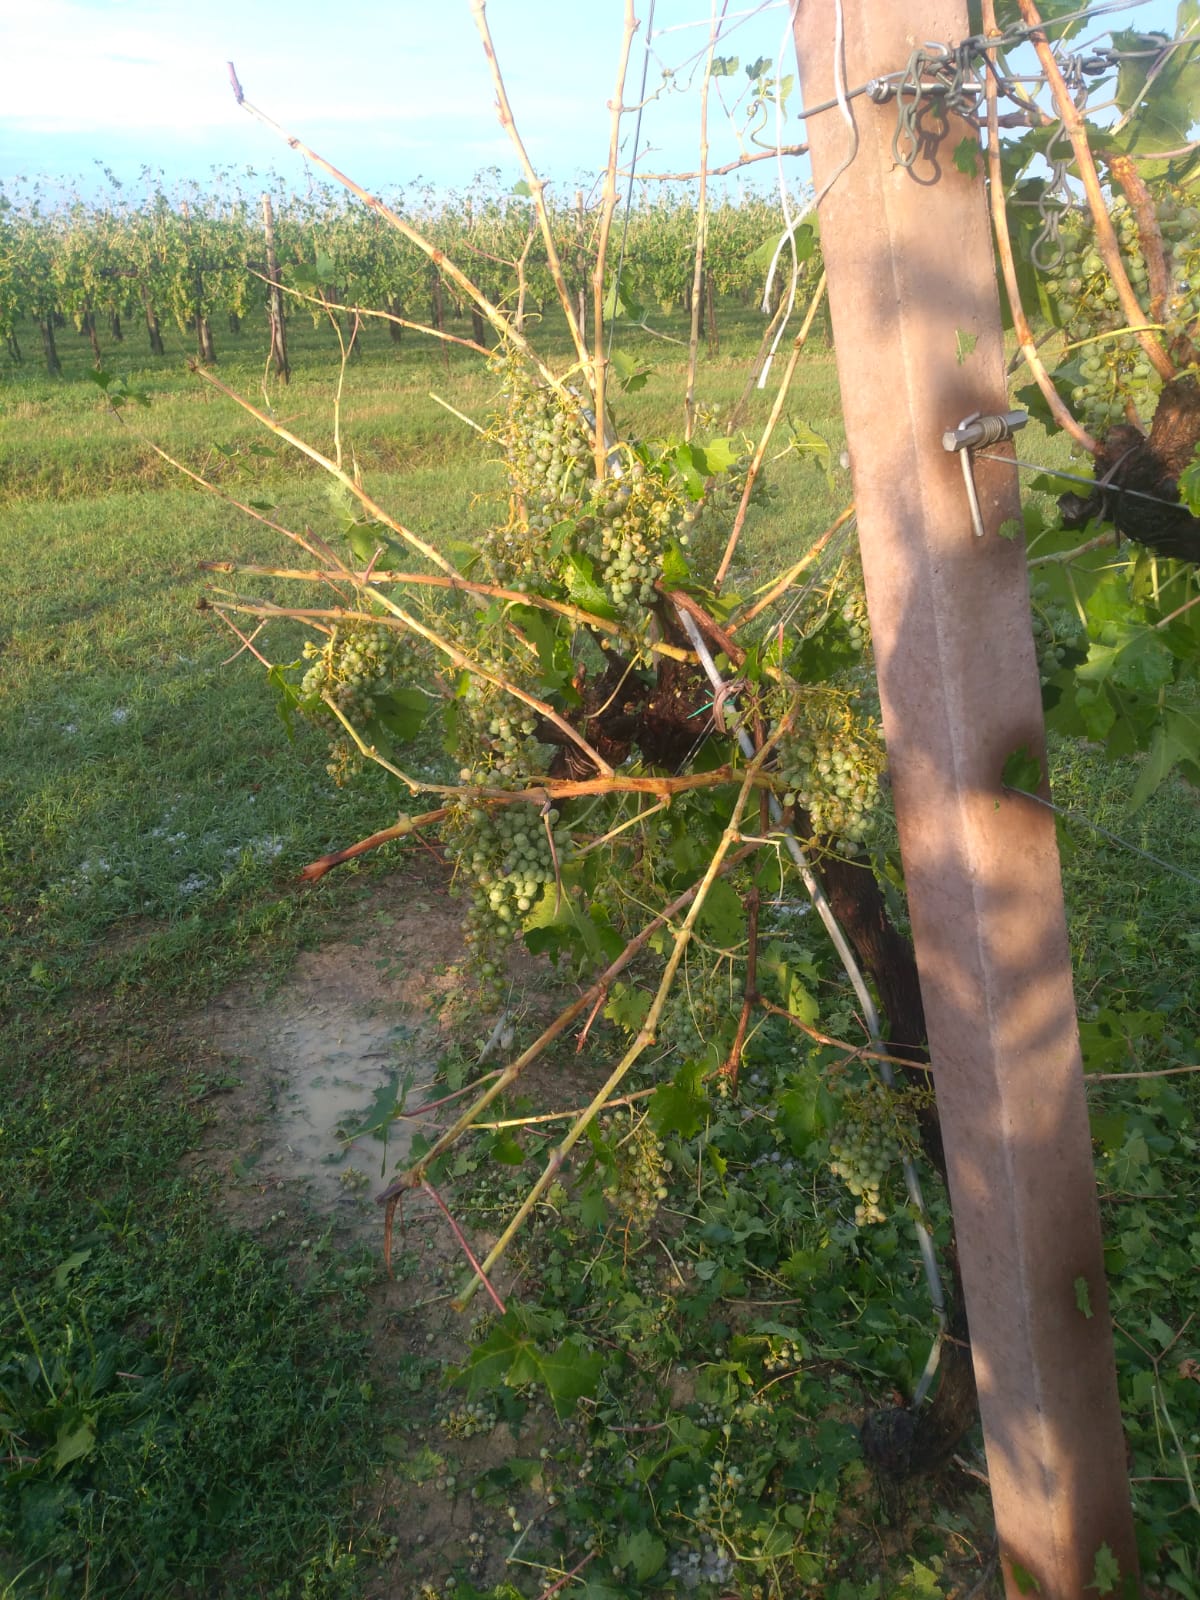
(973, 433)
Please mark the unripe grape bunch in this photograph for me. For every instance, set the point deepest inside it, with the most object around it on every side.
(505, 859)
(832, 766)
(356, 666)
(623, 523)
(874, 1129)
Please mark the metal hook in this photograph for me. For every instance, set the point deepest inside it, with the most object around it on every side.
(972, 433)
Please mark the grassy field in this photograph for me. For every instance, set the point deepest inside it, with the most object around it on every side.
(172, 1389)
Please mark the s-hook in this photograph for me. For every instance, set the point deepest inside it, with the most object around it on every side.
(973, 433)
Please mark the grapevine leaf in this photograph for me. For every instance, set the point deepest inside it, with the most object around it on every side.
(287, 696)
(627, 1006)
(1024, 1579)
(387, 1105)
(403, 712)
(715, 457)
(724, 66)
(1022, 771)
(643, 1552)
(631, 373)
(1175, 740)
(689, 459)
(755, 69)
(521, 188)
(721, 915)
(1131, 655)
(1106, 1571)
(680, 1107)
(966, 157)
(463, 555)
(806, 441)
(676, 573)
(510, 1355)
(583, 589)
(506, 1150)
(1160, 86)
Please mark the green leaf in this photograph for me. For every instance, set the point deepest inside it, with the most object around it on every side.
(806, 441)
(966, 157)
(582, 587)
(521, 188)
(72, 1264)
(1161, 86)
(506, 1149)
(641, 1551)
(680, 1107)
(511, 1356)
(1083, 1297)
(1022, 771)
(1106, 1571)
(717, 456)
(722, 915)
(631, 373)
(75, 1442)
(627, 1006)
(724, 66)
(1131, 655)
(1024, 1579)
(403, 712)
(386, 1106)
(1175, 740)
(964, 345)
(676, 573)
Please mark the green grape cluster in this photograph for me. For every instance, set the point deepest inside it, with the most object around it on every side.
(625, 529)
(623, 523)
(1179, 224)
(873, 1131)
(636, 1182)
(691, 1015)
(854, 615)
(355, 666)
(506, 858)
(833, 769)
(546, 445)
(495, 738)
(1113, 375)
(1057, 632)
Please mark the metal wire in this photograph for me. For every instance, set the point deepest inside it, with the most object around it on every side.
(637, 136)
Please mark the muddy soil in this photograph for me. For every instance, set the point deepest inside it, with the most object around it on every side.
(299, 1067)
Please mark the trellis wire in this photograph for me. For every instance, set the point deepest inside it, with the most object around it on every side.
(1106, 833)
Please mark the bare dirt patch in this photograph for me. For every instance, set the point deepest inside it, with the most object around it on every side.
(304, 1061)
(295, 1067)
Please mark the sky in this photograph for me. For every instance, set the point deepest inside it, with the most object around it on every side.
(392, 91)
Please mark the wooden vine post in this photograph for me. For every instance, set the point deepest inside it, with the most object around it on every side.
(917, 325)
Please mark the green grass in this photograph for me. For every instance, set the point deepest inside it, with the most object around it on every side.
(153, 818)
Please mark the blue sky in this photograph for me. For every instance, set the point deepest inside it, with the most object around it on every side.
(391, 92)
